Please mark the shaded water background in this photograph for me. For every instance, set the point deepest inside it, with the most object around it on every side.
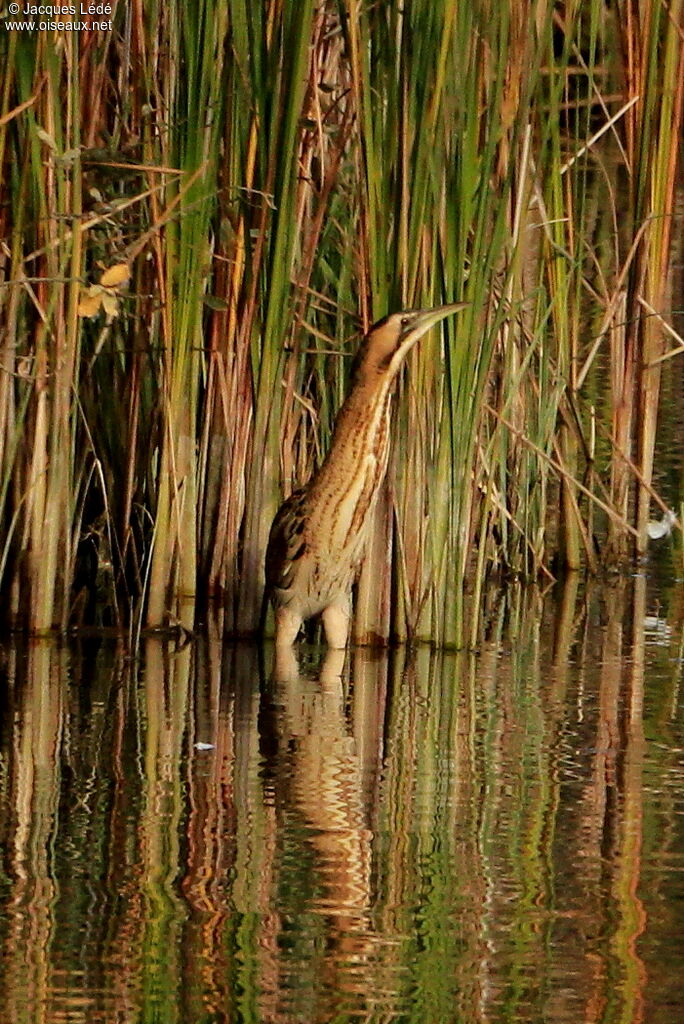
(420, 836)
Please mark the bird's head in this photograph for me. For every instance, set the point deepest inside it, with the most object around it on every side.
(390, 340)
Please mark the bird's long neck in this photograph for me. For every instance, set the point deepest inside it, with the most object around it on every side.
(347, 484)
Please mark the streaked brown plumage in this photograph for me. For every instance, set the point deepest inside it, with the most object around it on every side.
(319, 534)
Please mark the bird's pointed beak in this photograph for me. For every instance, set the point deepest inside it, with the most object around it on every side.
(424, 319)
(427, 318)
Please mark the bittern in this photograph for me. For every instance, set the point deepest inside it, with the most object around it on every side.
(319, 534)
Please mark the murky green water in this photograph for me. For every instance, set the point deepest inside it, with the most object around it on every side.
(433, 838)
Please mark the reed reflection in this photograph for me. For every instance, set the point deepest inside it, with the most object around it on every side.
(28, 980)
(449, 836)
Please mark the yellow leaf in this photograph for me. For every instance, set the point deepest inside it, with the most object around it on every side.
(91, 300)
(115, 276)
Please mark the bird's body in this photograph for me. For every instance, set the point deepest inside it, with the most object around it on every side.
(318, 537)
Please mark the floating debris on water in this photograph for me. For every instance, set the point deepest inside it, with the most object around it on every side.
(663, 527)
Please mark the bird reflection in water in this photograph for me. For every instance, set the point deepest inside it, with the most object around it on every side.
(325, 777)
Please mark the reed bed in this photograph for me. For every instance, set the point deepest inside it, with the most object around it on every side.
(202, 209)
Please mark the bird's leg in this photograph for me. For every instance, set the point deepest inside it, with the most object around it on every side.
(285, 666)
(287, 625)
(336, 624)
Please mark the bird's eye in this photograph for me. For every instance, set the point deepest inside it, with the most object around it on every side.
(405, 321)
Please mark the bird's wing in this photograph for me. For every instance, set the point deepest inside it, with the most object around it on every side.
(286, 542)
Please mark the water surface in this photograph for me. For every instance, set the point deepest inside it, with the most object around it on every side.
(190, 837)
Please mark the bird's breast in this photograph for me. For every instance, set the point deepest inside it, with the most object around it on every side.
(351, 507)
(349, 485)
